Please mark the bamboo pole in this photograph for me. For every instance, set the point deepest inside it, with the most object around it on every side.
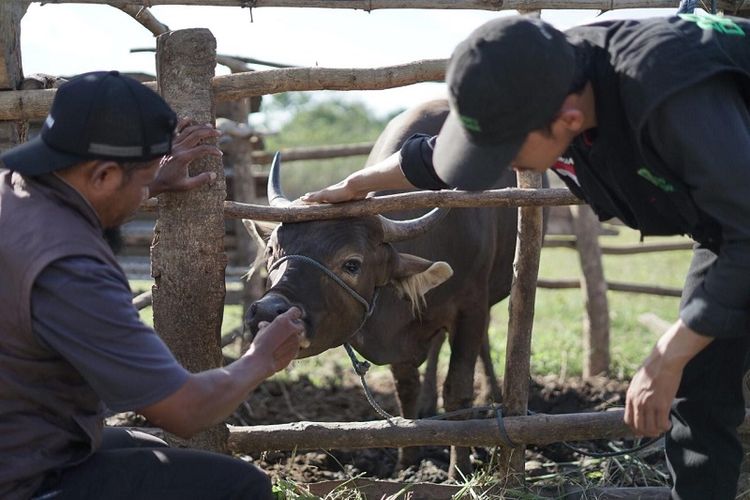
(509, 197)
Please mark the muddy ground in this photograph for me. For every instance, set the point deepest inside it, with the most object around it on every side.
(277, 402)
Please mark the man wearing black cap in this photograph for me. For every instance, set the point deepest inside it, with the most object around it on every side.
(647, 121)
(71, 342)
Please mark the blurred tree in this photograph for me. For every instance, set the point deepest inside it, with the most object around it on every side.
(314, 122)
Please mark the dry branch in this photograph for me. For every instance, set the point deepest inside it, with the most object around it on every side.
(314, 153)
(35, 104)
(274, 81)
(614, 286)
(146, 18)
(369, 5)
(624, 249)
(370, 488)
(509, 197)
(399, 432)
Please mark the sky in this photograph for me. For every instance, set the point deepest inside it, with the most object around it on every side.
(74, 38)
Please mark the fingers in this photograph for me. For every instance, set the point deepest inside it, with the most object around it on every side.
(333, 194)
(197, 181)
(646, 418)
(191, 135)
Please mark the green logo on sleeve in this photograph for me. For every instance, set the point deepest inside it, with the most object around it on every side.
(470, 123)
(714, 22)
(657, 181)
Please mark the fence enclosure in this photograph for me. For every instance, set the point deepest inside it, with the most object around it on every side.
(184, 283)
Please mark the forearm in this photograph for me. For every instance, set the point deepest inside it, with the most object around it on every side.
(209, 397)
(678, 345)
(382, 176)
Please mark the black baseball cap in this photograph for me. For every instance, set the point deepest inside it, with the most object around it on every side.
(508, 78)
(100, 115)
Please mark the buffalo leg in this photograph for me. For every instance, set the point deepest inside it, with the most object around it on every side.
(427, 402)
(406, 376)
(458, 390)
(491, 391)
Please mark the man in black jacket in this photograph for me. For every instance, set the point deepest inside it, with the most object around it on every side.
(647, 121)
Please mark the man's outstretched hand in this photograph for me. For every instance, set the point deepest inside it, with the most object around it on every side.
(654, 386)
(188, 145)
(277, 343)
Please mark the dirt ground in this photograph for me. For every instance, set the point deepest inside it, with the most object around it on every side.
(276, 402)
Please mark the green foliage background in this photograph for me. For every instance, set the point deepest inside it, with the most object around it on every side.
(324, 123)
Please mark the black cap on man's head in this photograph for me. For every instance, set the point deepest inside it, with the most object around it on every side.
(100, 115)
(507, 79)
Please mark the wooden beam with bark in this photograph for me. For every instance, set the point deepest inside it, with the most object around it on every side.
(398, 432)
(314, 153)
(35, 104)
(370, 5)
(520, 324)
(13, 131)
(146, 18)
(187, 253)
(508, 197)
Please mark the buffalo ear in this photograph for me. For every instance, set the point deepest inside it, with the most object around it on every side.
(414, 276)
(259, 231)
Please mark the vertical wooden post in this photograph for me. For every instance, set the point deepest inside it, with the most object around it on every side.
(518, 350)
(596, 322)
(11, 69)
(188, 260)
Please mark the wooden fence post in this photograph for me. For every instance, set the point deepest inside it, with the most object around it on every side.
(596, 321)
(11, 70)
(187, 254)
(520, 323)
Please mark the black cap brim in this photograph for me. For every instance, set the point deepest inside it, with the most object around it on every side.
(464, 165)
(35, 157)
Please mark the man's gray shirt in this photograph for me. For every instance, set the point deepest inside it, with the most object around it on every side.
(82, 311)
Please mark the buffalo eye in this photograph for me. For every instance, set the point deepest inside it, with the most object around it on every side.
(352, 266)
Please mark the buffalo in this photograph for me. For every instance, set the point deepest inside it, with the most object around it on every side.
(392, 288)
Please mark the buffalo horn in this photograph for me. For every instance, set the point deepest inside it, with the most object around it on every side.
(276, 197)
(399, 230)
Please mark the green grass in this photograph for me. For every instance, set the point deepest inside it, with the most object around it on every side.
(558, 320)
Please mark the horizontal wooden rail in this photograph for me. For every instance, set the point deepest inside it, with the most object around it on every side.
(35, 104)
(399, 432)
(371, 488)
(509, 197)
(613, 286)
(370, 5)
(624, 249)
(314, 153)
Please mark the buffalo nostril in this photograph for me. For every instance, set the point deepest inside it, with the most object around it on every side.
(253, 308)
(280, 311)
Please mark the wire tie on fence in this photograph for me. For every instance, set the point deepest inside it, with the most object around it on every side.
(504, 438)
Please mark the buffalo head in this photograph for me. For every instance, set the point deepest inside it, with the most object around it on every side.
(332, 270)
